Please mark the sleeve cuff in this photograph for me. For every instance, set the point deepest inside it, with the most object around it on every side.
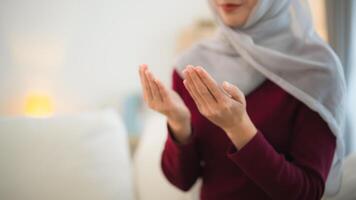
(248, 156)
(177, 147)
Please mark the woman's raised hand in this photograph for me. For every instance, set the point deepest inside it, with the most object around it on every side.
(225, 107)
(167, 102)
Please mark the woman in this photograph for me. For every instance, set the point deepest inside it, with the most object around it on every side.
(272, 129)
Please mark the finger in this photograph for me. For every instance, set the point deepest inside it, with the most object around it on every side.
(192, 94)
(142, 83)
(162, 90)
(190, 89)
(156, 96)
(235, 92)
(194, 90)
(202, 88)
(146, 83)
(210, 83)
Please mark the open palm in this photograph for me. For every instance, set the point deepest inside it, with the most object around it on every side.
(160, 98)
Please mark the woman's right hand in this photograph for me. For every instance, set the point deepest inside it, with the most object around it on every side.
(167, 102)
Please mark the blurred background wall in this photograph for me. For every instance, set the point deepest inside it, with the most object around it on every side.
(76, 55)
(85, 54)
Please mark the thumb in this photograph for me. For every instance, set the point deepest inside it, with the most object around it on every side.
(234, 91)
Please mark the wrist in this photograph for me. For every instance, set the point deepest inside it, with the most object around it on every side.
(181, 129)
(243, 132)
(181, 117)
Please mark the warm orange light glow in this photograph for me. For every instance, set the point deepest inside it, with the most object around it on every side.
(38, 105)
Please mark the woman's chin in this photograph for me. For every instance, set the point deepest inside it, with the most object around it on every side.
(233, 20)
(233, 23)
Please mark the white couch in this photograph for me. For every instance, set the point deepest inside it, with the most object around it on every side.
(78, 157)
(149, 179)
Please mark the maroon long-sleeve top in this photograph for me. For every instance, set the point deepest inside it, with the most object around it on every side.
(289, 157)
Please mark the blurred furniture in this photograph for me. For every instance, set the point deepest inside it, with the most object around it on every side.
(149, 179)
(201, 29)
(132, 115)
(79, 157)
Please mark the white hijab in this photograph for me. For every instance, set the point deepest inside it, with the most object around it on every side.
(279, 43)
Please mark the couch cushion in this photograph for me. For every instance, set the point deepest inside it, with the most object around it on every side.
(150, 182)
(78, 157)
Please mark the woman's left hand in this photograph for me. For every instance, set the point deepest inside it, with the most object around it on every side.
(224, 107)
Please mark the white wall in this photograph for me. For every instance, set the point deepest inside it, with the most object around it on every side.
(85, 53)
